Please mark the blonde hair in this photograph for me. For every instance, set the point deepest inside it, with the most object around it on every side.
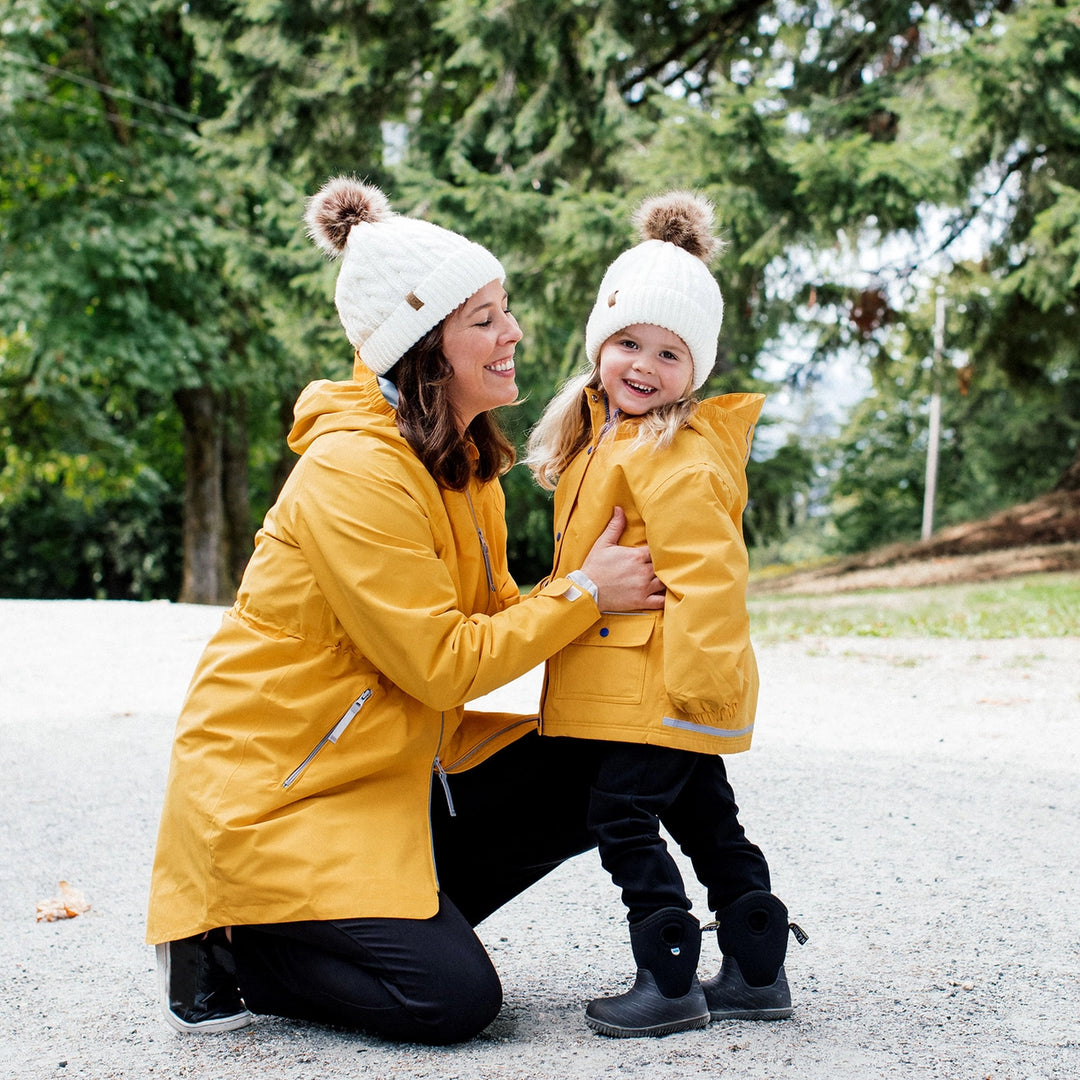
(564, 429)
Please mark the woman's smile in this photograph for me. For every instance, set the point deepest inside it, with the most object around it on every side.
(478, 342)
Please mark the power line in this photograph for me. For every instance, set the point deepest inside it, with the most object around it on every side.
(93, 84)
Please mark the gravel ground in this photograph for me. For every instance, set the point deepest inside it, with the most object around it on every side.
(917, 799)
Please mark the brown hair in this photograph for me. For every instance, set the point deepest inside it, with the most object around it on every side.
(425, 417)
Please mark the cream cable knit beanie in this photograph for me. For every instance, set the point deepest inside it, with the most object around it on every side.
(399, 276)
(665, 280)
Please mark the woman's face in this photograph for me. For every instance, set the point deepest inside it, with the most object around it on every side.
(643, 367)
(478, 343)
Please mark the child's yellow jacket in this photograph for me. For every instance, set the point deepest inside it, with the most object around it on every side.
(685, 677)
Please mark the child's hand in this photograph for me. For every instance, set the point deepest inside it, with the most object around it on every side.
(623, 576)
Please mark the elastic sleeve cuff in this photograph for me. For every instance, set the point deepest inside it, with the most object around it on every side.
(719, 716)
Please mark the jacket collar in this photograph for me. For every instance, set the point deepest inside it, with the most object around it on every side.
(373, 394)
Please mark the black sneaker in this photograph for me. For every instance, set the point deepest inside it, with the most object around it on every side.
(197, 984)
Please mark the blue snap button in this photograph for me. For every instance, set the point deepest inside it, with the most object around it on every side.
(558, 536)
(604, 631)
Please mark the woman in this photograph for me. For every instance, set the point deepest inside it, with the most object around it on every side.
(303, 868)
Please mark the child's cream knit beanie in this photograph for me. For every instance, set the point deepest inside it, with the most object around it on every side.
(665, 280)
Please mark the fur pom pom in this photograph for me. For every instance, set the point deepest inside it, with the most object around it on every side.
(340, 204)
(680, 218)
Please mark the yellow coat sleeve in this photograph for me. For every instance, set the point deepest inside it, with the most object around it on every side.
(375, 534)
(692, 524)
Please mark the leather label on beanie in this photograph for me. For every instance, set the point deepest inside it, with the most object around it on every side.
(611, 298)
(414, 301)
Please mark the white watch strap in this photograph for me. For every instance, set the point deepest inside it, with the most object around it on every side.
(585, 584)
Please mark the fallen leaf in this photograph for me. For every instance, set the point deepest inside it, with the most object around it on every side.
(67, 905)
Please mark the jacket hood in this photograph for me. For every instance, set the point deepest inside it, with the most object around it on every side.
(728, 422)
(355, 404)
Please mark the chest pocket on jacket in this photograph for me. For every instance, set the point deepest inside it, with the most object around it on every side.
(607, 662)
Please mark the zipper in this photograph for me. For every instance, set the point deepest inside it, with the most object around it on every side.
(594, 442)
(483, 543)
(331, 736)
(438, 766)
(444, 772)
(543, 701)
(445, 781)
(477, 748)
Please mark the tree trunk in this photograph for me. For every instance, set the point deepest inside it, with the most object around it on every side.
(286, 459)
(235, 493)
(1070, 478)
(203, 515)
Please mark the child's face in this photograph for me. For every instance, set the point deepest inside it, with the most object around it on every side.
(643, 367)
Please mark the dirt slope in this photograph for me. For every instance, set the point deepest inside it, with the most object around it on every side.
(1039, 536)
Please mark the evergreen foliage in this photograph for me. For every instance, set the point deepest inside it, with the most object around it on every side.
(160, 307)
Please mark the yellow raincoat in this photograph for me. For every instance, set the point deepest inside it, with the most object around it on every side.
(685, 677)
(370, 611)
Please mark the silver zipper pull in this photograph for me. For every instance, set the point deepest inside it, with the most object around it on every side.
(445, 781)
(339, 728)
(331, 736)
(487, 560)
(483, 543)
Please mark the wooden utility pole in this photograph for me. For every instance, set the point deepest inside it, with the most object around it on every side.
(934, 439)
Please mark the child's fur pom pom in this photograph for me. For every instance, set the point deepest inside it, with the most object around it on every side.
(680, 218)
(340, 204)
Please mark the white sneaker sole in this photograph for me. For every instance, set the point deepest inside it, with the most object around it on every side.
(205, 1027)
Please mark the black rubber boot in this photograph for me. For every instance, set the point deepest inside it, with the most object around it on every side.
(751, 984)
(197, 984)
(666, 996)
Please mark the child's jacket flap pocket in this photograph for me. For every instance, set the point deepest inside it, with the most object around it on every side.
(619, 630)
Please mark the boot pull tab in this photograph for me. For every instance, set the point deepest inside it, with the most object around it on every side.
(800, 935)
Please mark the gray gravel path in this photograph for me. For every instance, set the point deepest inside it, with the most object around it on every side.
(918, 800)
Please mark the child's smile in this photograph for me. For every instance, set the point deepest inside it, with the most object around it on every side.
(643, 367)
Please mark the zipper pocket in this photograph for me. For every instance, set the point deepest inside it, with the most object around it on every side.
(331, 736)
(483, 742)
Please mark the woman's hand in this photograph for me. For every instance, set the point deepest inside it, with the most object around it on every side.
(623, 576)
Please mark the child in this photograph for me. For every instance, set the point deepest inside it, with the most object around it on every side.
(665, 693)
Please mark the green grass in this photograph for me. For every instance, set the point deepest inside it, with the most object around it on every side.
(1037, 605)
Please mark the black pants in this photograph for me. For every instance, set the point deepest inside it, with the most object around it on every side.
(636, 788)
(519, 815)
